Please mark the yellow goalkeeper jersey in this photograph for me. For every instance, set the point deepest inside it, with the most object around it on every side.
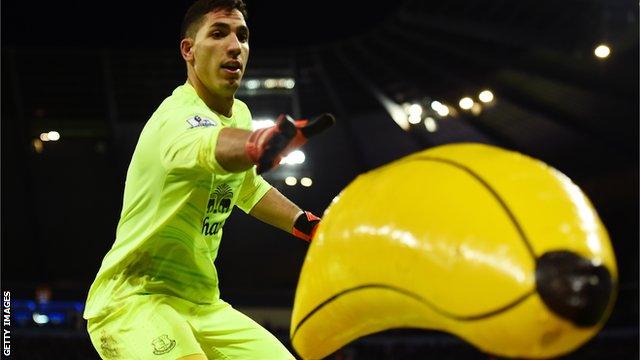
(176, 200)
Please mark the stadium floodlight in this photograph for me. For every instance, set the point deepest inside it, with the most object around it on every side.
(465, 103)
(486, 96)
(290, 180)
(306, 182)
(261, 123)
(53, 135)
(602, 51)
(430, 124)
(296, 157)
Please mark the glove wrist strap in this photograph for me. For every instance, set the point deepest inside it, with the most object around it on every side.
(305, 226)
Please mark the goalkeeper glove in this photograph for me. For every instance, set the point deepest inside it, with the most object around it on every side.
(266, 147)
(305, 226)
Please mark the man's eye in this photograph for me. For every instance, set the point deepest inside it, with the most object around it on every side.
(243, 37)
(217, 34)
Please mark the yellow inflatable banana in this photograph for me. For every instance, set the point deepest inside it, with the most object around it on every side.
(490, 245)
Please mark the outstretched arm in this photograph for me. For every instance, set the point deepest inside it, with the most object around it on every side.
(237, 150)
(275, 209)
(230, 150)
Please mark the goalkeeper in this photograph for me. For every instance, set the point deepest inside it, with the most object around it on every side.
(156, 293)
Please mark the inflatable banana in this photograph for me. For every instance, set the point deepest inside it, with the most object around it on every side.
(489, 245)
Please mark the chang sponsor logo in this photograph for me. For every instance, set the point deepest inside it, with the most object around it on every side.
(219, 203)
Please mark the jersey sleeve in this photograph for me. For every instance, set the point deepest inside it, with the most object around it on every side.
(188, 142)
(253, 189)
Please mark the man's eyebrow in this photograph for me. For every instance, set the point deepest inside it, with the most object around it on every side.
(219, 24)
(226, 26)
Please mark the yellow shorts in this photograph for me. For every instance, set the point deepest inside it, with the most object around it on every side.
(165, 327)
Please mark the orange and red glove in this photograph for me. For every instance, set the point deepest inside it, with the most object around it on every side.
(305, 226)
(266, 147)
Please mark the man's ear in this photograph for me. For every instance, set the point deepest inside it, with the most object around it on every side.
(186, 49)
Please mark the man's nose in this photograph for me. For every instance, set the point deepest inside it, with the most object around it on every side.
(234, 47)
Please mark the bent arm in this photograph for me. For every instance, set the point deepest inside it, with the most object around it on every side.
(275, 209)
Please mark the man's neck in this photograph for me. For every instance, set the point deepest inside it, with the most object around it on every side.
(219, 104)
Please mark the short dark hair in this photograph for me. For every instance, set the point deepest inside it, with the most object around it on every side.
(196, 12)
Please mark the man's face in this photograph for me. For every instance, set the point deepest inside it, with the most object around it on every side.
(221, 51)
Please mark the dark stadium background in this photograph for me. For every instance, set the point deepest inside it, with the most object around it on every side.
(95, 71)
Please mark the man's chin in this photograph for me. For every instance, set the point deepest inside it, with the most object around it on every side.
(232, 84)
(226, 88)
